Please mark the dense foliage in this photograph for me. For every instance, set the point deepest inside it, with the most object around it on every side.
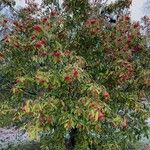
(71, 73)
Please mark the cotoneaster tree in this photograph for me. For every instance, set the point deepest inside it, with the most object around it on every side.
(79, 78)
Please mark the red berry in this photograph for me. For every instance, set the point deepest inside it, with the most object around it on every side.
(57, 54)
(43, 41)
(106, 95)
(127, 18)
(17, 24)
(39, 44)
(67, 78)
(42, 81)
(136, 48)
(75, 72)
(125, 123)
(101, 116)
(129, 66)
(125, 63)
(37, 28)
(136, 25)
(129, 40)
(44, 19)
(93, 21)
(33, 37)
(53, 13)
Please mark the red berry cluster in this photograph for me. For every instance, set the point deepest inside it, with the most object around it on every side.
(106, 95)
(128, 72)
(44, 19)
(92, 24)
(127, 18)
(37, 28)
(69, 78)
(57, 54)
(136, 48)
(53, 13)
(136, 25)
(101, 116)
(125, 123)
(40, 44)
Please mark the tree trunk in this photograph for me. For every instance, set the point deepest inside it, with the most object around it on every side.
(70, 143)
(92, 147)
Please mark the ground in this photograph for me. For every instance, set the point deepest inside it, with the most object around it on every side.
(12, 136)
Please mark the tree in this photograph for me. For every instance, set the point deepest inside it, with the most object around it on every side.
(77, 77)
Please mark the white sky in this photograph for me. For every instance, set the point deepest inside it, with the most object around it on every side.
(136, 8)
(22, 2)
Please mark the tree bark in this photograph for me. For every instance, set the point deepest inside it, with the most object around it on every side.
(92, 147)
(70, 143)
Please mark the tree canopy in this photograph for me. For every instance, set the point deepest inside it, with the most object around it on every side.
(70, 72)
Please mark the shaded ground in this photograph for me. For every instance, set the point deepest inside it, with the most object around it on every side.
(12, 136)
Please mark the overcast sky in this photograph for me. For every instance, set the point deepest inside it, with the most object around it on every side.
(136, 8)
